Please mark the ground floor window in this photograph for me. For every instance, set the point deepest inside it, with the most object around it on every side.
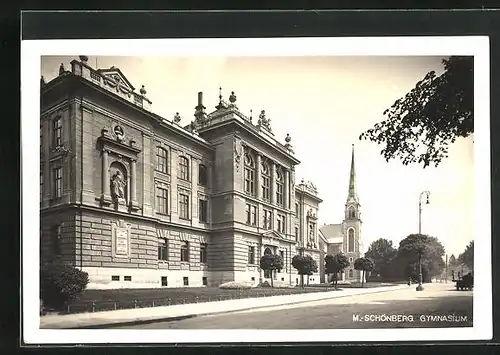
(164, 281)
(115, 278)
(351, 273)
(186, 281)
(267, 274)
(204, 281)
(127, 278)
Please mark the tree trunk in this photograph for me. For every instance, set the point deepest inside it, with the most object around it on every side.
(307, 280)
(362, 278)
(302, 280)
(272, 278)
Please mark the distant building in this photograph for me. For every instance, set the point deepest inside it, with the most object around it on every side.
(346, 237)
(137, 200)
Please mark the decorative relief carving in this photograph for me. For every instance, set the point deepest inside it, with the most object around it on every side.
(237, 147)
(184, 266)
(121, 239)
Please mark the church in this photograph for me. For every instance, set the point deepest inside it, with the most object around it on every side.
(345, 237)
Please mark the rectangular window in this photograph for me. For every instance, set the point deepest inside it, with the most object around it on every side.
(266, 183)
(184, 168)
(279, 194)
(203, 253)
(163, 249)
(127, 278)
(164, 281)
(282, 255)
(202, 175)
(251, 212)
(57, 132)
(204, 280)
(281, 223)
(162, 160)
(296, 209)
(268, 219)
(203, 210)
(185, 251)
(249, 180)
(251, 255)
(162, 200)
(115, 278)
(186, 281)
(184, 206)
(57, 182)
(296, 233)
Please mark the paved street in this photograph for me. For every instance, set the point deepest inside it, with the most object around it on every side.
(439, 305)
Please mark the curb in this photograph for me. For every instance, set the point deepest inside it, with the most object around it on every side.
(189, 316)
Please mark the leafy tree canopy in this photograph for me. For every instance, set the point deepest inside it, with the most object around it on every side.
(335, 263)
(364, 264)
(467, 257)
(271, 262)
(382, 253)
(420, 126)
(431, 250)
(305, 265)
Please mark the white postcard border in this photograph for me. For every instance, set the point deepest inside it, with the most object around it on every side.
(31, 51)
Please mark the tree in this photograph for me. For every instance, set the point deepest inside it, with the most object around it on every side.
(61, 283)
(335, 264)
(363, 264)
(452, 262)
(382, 253)
(420, 126)
(271, 262)
(467, 257)
(305, 265)
(429, 249)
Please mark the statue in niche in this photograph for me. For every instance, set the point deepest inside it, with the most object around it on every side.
(118, 184)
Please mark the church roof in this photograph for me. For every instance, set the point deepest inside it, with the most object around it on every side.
(332, 233)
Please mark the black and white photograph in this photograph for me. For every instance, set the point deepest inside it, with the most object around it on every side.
(256, 190)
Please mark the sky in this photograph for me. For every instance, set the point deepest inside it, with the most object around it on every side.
(324, 103)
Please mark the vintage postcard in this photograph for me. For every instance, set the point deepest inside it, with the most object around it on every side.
(256, 190)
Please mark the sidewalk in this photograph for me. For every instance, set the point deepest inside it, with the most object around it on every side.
(183, 311)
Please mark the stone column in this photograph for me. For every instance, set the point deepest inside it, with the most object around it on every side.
(286, 188)
(258, 188)
(273, 183)
(105, 173)
(133, 180)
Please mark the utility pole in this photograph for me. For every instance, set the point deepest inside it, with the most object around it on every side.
(422, 194)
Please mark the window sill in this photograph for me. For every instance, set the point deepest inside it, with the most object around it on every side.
(185, 219)
(162, 172)
(162, 214)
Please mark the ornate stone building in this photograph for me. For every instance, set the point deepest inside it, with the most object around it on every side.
(345, 237)
(137, 200)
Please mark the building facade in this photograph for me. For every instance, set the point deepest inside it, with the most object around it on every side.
(346, 237)
(139, 201)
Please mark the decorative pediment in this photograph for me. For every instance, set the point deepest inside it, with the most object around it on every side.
(115, 78)
(272, 234)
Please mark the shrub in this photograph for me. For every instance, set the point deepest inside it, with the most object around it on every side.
(60, 283)
(236, 285)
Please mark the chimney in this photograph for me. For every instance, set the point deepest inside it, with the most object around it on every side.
(200, 98)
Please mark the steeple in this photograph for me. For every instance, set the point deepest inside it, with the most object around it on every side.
(353, 191)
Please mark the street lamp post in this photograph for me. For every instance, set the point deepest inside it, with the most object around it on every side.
(427, 195)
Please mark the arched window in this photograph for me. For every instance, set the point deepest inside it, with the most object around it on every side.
(266, 182)
(249, 174)
(267, 251)
(351, 273)
(352, 212)
(183, 168)
(350, 240)
(202, 175)
(162, 160)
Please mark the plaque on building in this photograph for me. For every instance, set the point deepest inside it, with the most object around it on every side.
(121, 239)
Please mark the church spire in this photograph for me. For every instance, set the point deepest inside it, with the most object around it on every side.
(353, 191)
